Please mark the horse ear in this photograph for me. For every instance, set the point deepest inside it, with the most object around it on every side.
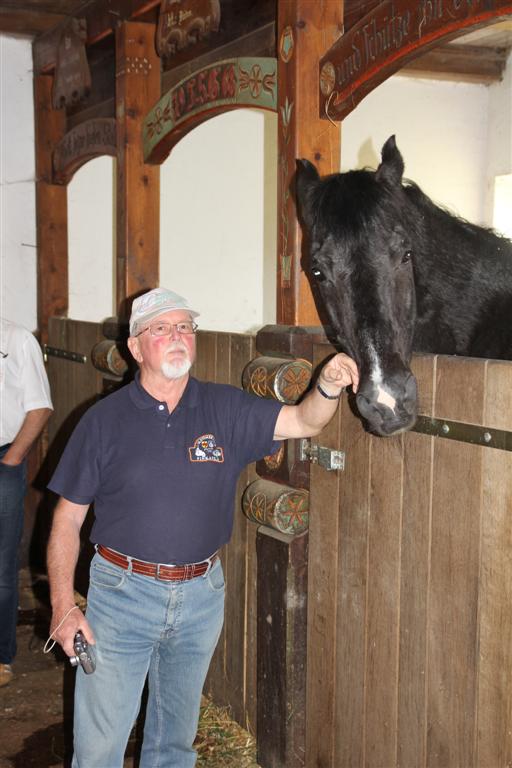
(306, 181)
(392, 166)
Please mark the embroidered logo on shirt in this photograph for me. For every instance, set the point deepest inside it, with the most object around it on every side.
(205, 448)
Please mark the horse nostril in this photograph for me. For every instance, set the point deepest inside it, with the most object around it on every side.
(365, 406)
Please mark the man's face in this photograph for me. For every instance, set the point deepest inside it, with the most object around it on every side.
(171, 355)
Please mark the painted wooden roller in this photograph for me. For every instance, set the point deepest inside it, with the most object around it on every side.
(276, 377)
(277, 506)
(107, 358)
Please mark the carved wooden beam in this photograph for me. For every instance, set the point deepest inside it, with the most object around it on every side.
(223, 85)
(305, 31)
(138, 185)
(388, 38)
(92, 138)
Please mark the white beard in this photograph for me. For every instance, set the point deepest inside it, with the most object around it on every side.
(178, 368)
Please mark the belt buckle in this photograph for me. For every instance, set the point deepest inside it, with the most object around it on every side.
(157, 573)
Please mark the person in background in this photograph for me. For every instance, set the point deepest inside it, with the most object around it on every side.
(25, 407)
(160, 459)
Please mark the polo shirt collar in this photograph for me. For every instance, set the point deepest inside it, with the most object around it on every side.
(142, 399)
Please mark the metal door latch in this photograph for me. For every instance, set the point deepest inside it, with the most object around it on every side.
(327, 458)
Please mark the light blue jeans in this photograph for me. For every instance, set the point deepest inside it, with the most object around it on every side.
(166, 631)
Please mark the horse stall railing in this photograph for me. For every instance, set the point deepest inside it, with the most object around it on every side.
(409, 653)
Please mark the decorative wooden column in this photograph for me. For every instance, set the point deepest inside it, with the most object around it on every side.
(306, 31)
(51, 210)
(138, 184)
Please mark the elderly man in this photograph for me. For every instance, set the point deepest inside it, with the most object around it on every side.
(160, 460)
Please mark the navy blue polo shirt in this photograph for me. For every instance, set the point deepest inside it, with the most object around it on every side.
(163, 485)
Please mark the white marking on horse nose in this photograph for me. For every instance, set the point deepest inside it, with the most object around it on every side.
(386, 399)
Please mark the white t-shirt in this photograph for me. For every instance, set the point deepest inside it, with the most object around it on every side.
(23, 381)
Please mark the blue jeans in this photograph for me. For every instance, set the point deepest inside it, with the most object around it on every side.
(12, 493)
(166, 631)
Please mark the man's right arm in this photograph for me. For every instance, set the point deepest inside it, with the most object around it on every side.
(63, 550)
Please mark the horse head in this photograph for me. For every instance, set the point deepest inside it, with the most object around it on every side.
(360, 263)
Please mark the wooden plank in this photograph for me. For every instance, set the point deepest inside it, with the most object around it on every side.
(414, 579)
(51, 211)
(241, 352)
(282, 566)
(138, 185)
(455, 555)
(493, 743)
(414, 587)
(305, 31)
(383, 614)
(462, 63)
(459, 389)
(229, 354)
(322, 596)
(354, 511)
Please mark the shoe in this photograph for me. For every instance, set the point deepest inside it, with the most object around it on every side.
(6, 674)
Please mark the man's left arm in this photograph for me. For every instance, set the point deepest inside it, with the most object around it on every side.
(30, 430)
(310, 416)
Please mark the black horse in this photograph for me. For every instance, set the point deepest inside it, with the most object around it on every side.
(398, 274)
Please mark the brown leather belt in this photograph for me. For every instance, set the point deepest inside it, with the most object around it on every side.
(158, 570)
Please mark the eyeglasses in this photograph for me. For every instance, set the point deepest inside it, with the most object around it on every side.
(165, 329)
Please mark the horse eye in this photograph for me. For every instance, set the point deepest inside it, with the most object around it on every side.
(317, 274)
(406, 257)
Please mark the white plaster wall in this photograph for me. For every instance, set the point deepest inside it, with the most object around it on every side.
(91, 241)
(499, 156)
(218, 220)
(18, 258)
(441, 129)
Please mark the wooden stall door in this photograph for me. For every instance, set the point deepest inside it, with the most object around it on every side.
(75, 386)
(410, 585)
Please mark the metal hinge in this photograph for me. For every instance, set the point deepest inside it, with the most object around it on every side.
(327, 458)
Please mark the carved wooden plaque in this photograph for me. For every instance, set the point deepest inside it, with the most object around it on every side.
(91, 138)
(387, 38)
(183, 22)
(72, 75)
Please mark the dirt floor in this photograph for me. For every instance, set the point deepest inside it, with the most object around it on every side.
(36, 708)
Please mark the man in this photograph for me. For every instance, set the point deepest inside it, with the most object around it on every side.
(160, 459)
(25, 407)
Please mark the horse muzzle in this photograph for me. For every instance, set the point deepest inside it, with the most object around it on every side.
(390, 406)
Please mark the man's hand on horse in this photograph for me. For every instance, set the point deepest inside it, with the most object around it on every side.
(340, 371)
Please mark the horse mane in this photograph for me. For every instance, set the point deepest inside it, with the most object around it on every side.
(451, 224)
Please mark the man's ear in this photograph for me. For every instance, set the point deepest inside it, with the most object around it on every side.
(134, 347)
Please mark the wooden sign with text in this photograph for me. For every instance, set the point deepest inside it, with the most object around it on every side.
(244, 82)
(89, 139)
(183, 22)
(392, 34)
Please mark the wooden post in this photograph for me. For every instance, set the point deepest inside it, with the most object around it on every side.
(51, 210)
(138, 185)
(282, 612)
(306, 30)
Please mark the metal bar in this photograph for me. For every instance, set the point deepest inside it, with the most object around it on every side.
(465, 433)
(74, 357)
